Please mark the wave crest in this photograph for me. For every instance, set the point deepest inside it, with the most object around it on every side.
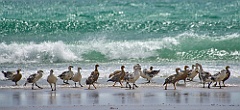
(36, 53)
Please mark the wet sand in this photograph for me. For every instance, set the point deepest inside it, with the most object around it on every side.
(105, 97)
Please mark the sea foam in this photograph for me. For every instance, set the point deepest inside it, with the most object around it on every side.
(33, 52)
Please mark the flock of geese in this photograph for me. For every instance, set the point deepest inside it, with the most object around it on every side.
(121, 76)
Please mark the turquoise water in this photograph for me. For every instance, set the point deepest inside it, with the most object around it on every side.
(45, 34)
(58, 31)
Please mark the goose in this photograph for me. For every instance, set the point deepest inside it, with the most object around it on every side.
(117, 76)
(66, 75)
(227, 76)
(192, 73)
(203, 75)
(228, 73)
(8, 74)
(33, 78)
(218, 77)
(77, 77)
(15, 77)
(95, 73)
(149, 74)
(182, 75)
(52, 79)
(172, 79)
(133, 77)
(93, 77)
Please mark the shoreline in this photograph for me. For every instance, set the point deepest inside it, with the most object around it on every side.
(144, 97)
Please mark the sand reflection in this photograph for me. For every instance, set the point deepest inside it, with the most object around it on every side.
(52, 98)
(93, 97)
(128, 97)
(198, 97)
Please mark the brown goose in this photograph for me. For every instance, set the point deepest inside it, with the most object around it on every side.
(11, 75)
(16, 77)
(227, 76)
(172, 79)
(183, 74)
(95, 73)
(117, 76)
(93, 77)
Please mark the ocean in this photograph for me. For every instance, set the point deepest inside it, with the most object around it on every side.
(165, 34)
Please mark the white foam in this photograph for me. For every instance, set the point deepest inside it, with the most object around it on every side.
(33, 52)
(127, 49)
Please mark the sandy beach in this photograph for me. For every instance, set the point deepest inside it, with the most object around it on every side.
(147, 96)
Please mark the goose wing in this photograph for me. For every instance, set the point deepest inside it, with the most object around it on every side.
(8, 74)
(153, 73)
(31, 78)
(16, 77)
(90, 80)
(116, 77)
(114, 73)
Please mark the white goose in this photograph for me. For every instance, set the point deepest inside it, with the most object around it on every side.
(77, 77)
(218, 77)
(133, 77)
(227, 76)
(203, 75)
(33, 78)
(192, 73)
(52, 79)
(149, 74)
(67, 75)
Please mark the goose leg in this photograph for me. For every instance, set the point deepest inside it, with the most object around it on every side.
(220, 84)
(75, 84)
(128, 85)
(135, 85)
(120, 83)
(224, 84)
(215, 84)
(165, 87)
(114, 83)
(55, 87)
(148, 81)
(38, 86)
(66, 82)
(94, 86)
(80, 84)
(174, 86)
(51, 86)
(32, 85)
(209, 84)
(16, 84)
(89, 86)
